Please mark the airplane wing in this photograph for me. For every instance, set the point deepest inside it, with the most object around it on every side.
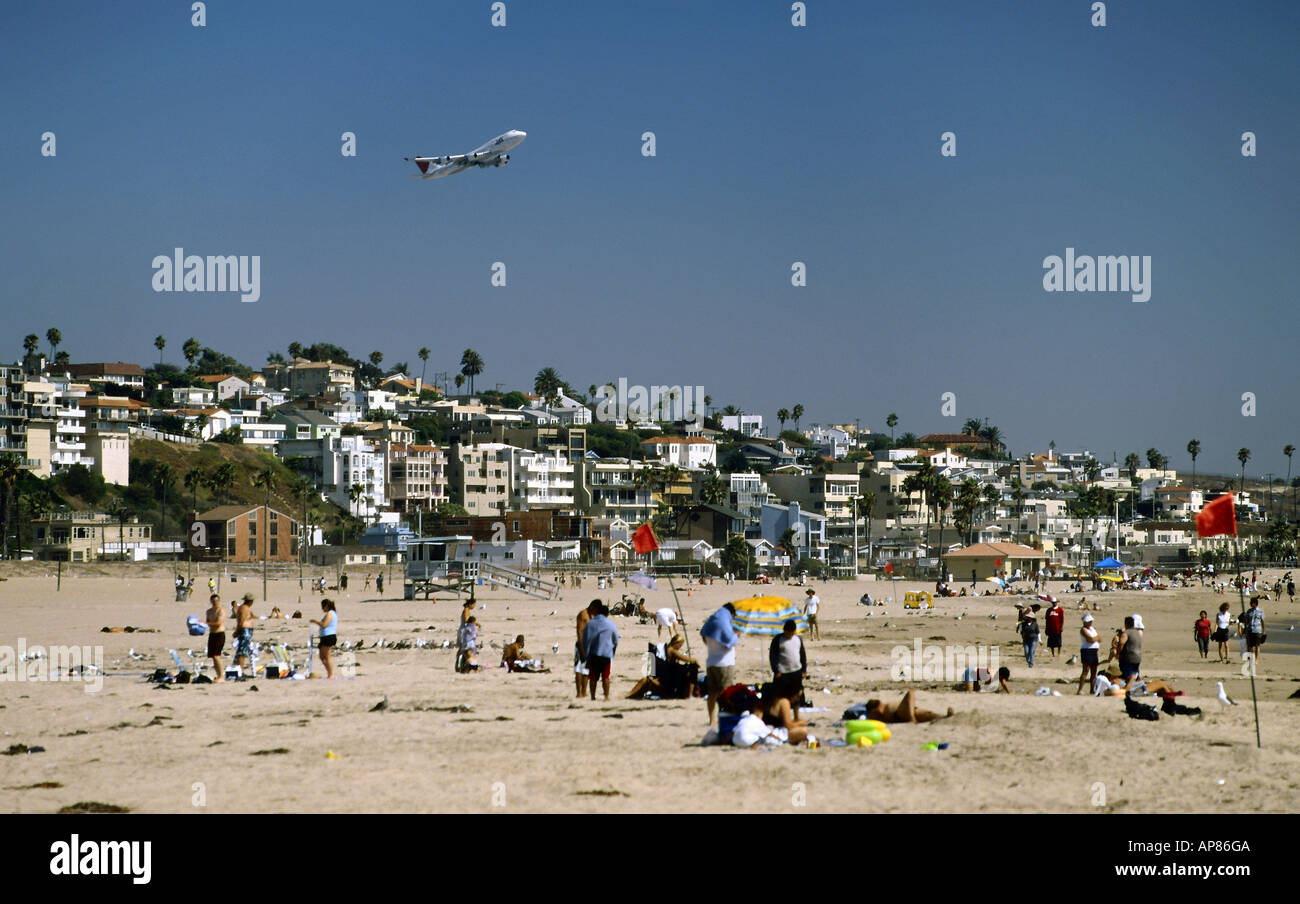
(424, 162)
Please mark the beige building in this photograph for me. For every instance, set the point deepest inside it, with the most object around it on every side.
(417, 476)
(481, 477)
(85, 537)
(317, 378)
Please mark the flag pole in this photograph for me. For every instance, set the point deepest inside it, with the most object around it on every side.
(681, 616)
(1241, 594)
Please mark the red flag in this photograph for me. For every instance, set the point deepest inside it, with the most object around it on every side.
(889, 566)
(644, 541)
(1217, 517)
(997, 563)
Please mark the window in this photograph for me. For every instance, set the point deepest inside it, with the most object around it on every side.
(275, 546)
(252, 547)
(230, 547)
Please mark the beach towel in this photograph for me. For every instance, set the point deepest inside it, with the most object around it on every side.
(717, 627)
(195, 626)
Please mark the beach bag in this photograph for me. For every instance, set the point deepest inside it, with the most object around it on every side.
(196, 627)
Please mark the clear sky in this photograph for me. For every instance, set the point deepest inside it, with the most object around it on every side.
(775, 144)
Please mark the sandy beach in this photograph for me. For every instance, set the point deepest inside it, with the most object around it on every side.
(494, 741)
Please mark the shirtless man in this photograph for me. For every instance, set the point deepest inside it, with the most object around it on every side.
(904, 710)
(579, 654)
(244, 632)
(513, 653)
(216, 618)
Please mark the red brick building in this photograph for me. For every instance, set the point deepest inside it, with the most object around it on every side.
(244, 533)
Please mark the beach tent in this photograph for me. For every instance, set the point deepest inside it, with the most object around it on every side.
(766, 615)
(1108, 564)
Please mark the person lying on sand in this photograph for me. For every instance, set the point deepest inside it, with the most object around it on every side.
(976, 680)
(904, 710)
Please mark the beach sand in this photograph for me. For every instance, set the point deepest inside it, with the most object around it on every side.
(525, 744)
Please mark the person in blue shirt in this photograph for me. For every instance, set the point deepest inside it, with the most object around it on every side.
(600, 641)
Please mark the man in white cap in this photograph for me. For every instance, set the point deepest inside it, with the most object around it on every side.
(1089, 649)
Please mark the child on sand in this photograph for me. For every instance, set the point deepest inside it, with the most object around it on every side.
(1201, 631)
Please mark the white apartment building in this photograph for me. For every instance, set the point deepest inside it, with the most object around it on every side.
(684, 452)
(542, 480)
(68, 443)
(748, 491)
(348, 461)
(482, 477)
(608, 487)
(750, 425)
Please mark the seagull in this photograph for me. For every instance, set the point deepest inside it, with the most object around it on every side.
(553, 611)
(381, 705)
(555, 648)
(133, 654)
(1223, 695)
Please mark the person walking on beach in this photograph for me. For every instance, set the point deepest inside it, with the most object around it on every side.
(379, 582)
(216, 618)
(1201, 631)
(367, 584)
(467, 638)
(1089, 650)
(1130, 652)
(810, 607)
(721, 640)
(244, 632)
(329, 635)
(1055, 627)
(1222, 627)
(579, 650)
(600, 639)
(1255, 628)
(1029, 634)
(466, 613)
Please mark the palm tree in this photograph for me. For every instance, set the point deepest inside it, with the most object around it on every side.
(548, 385)
(1243, 456)
(471, 365)
(866, 505)
(162, 478)
(31, 342)
(1194, 449)
(195, 477)
(222, 479)
(1092, 470)
(972, 426)
(795, 414)
(708, 403)
(1288, 450)
(10, 471)
(460, 381)
(53, 337)
(191, 350)
(266, 481)
(294, 349)
(354, 493)
(1156, 460)
(160, 343)
(941, 496)
(1132, 462)
(783, 415)
(423, 355)
(376, 358)
(891, 422)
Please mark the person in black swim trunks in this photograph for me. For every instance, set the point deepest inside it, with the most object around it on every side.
(216, 618)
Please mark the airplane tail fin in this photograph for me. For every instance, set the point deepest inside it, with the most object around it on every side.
(423, 164)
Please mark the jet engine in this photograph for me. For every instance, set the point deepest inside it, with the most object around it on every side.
(502, 161)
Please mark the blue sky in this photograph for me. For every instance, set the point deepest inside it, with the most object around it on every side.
(775, 144)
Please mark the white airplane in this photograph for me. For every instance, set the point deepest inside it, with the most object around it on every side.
(492, 153)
